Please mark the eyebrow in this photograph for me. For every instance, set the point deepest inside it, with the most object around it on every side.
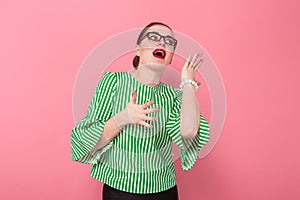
(160, 34)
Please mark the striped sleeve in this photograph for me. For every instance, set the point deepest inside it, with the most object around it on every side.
(86, 133)
(189, 147)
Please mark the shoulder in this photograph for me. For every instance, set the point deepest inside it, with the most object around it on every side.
(107, 80)
(114, 75)
(109, 77)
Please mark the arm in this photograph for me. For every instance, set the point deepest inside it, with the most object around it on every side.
(186, 125)
(111, 130)
(189, 146)
(112, 127)
(190, 114)
(89, 130)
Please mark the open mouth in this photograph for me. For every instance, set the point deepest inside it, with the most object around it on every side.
(159, 53)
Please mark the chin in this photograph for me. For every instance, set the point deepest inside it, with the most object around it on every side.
(155, 65)
(159, 61)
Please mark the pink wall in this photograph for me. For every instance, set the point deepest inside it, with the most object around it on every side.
(253, 43)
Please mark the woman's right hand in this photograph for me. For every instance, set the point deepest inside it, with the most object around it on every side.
(135, 113)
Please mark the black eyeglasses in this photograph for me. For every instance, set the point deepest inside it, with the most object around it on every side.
(155, 36)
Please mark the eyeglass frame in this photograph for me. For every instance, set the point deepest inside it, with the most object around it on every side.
(161, 36)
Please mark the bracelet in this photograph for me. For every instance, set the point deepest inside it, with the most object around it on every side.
(189, 81)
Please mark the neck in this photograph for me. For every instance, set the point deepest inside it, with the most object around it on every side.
(149, 74)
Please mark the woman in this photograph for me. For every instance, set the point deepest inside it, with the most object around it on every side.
(133, 118)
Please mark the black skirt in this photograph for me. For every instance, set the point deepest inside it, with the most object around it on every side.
(110, 193)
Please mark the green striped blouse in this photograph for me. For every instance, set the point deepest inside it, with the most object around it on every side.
(138, 159)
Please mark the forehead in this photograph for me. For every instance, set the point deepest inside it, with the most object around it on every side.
(160, 29)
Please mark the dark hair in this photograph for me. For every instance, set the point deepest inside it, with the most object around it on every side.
(136, 59)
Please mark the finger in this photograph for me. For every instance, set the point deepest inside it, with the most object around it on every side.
(199, 62)
(148, 103)
(145, 124)
(133, 97)
(195, 57)
(148, 111)
(187, 62)
(149, 118)
(192, 61)
(152, 118)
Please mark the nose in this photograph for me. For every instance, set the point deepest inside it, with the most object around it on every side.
(161, 43)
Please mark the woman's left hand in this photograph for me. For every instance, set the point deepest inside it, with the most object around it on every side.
(191, 65)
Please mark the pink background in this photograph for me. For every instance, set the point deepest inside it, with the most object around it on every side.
(253, 43)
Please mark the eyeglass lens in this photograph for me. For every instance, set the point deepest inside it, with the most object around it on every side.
(157, 37)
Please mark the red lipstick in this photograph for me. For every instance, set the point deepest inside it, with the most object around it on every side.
(159, 53)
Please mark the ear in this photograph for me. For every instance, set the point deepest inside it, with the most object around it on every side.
(137, 50)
